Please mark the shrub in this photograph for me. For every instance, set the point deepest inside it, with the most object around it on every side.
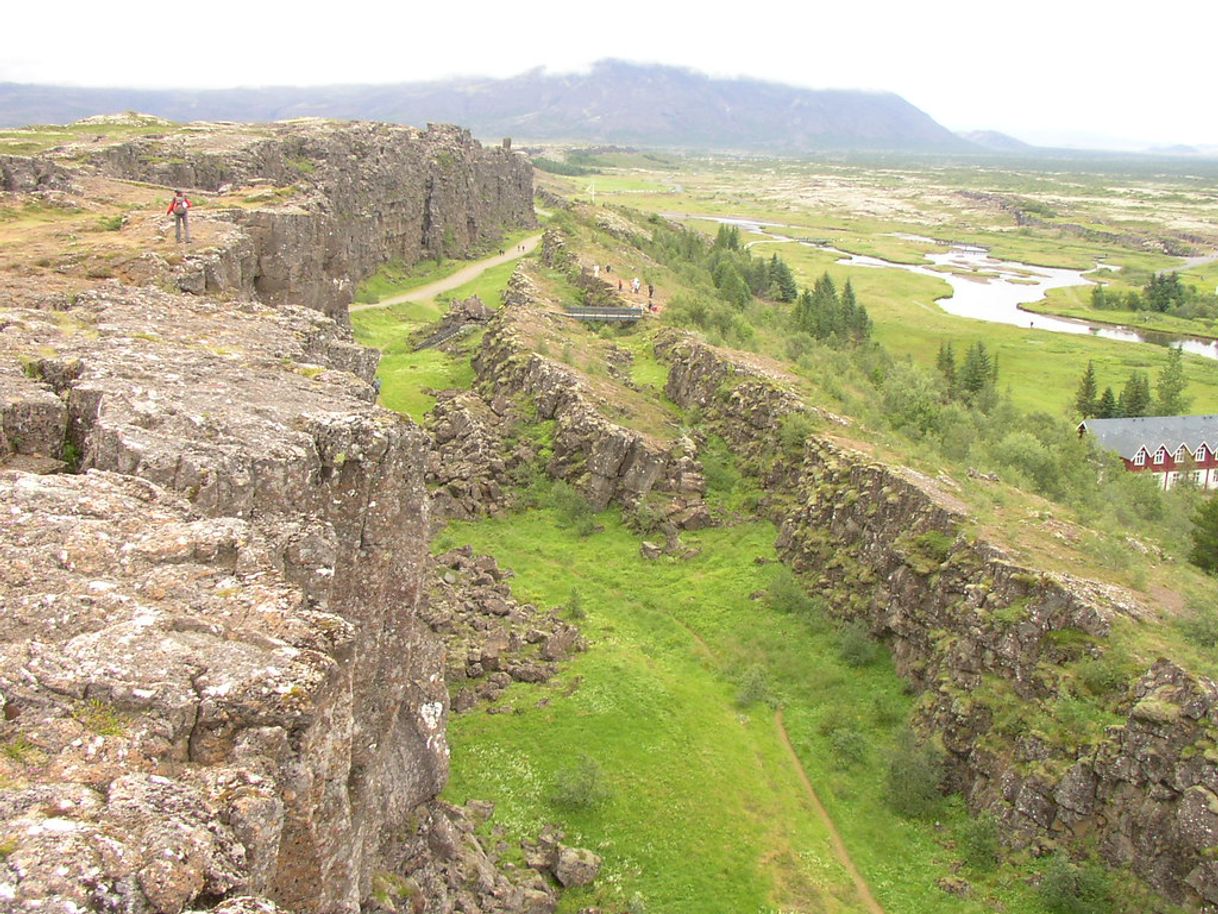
(915, 772)
(794, 429)
(573, 509)
(754, 687)
(787, 594)
(979, 844)
(575, 605)
(856, 647)
(849, 747)
(1069, 889)
(580, 786)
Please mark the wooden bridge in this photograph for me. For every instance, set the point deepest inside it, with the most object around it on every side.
(586, 313)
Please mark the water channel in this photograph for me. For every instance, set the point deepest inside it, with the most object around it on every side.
(988, 289)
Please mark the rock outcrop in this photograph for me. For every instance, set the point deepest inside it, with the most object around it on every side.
(492, 640)
(219, 689)
(607, 462)
(325, 203)
(974, 629)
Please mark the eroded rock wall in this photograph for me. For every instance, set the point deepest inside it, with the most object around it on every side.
(888, 545)
(363, 194)
(607, 462)
(233, 585)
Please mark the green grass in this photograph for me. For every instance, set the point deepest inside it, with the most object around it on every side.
(706, 813)
(408, 377)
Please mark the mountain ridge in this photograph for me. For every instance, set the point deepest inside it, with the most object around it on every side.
(614, 101)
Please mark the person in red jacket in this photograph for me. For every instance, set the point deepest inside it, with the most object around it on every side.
(179, 208)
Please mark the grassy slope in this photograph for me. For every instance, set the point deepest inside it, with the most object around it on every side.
(706, 814)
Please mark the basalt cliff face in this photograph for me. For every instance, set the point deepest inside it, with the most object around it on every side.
(316, 206)
(974, 630)
(219, 686)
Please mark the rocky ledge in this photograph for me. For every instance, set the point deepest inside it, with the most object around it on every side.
(216, 679)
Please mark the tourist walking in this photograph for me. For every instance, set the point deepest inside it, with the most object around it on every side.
(179, 208)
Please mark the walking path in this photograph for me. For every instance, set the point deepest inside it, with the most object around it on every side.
(460, 278)
(835, 838)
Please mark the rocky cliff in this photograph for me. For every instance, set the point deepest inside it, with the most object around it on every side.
(318, 205)
(982, 637)
(217, 682)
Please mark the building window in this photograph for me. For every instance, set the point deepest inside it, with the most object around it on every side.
(1202, 454)
(1181, 454)
(1139, 459)
(1160, 456)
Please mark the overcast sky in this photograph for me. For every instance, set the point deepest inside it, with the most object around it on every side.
(1073, 72)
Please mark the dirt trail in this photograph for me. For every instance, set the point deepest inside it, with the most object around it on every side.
(839, 848)
(460, 278)
(835, 838)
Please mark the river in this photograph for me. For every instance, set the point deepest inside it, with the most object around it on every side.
(987, 289)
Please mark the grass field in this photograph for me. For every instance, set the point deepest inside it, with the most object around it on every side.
(705, 812)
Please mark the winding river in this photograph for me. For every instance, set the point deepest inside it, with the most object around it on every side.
(988, 289)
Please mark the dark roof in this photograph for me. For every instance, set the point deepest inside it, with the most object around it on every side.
(1128, 436)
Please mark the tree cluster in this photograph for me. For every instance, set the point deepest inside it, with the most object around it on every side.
(826, 315)
(739, 276)
(1164, 294)
(975, 380)
(1135, 398)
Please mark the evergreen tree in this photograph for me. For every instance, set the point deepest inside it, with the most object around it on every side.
(728, 238)
(1135, 396)
(978, 371)
(1099, 298)
(782, 280)
(1164, 291)
(1170, 389)
(1205, 536)
(1106, 407)
(1085, 399)
(802, 315)
(946, 363)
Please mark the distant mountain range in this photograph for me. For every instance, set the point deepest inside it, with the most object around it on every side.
(614, 102)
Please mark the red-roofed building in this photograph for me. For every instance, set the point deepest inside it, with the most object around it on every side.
(1173, 448)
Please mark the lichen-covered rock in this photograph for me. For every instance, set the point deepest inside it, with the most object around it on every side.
(260, 556)
(576, 866)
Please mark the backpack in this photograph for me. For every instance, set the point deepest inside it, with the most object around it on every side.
(180, 206)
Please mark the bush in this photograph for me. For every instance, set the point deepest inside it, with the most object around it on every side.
(793, 430)
(754, 687)
(856, 647)
(786, 594)
(581, 786)
(979, 844)
(1069, 889)
(573, 509)
(915, 772)
(575, 605)
(850, 747)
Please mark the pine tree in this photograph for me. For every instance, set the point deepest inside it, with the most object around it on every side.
(1099, 298)
(1106, 407)
(1085, 399)
(1171, 400)
(946, 363)
(728, 238)
(1205, 536)
(977, 372)
(1135, 396)
(782, 279)
(802, 315)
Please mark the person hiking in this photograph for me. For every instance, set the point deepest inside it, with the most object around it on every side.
(179, 208)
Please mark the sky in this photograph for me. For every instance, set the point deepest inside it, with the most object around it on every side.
(1066, 72)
